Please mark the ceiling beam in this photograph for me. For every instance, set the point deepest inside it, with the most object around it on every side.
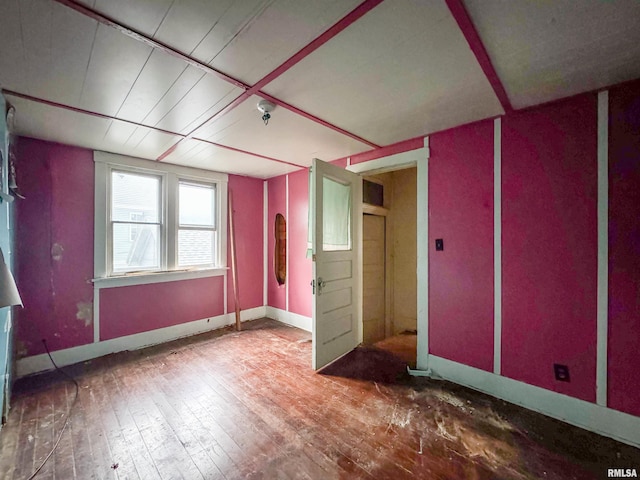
(461, 16)
(82, 111)
(249, 90)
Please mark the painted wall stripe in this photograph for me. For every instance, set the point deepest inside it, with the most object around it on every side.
(265, 241)
(497, 245)
(225, 292)
(96, 314)
(603, 248)
(423, 259)
(288, 276)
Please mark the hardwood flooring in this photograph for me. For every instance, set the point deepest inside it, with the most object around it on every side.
(247, 405)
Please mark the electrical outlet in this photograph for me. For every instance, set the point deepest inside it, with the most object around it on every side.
(439, 244)
(562, 372)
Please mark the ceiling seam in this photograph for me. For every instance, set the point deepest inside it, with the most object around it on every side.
(332, 31)
(105, 116)
(468, 29)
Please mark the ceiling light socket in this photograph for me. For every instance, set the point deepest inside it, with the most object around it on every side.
(265, 106)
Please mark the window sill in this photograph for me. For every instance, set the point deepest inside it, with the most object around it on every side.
(156, 277)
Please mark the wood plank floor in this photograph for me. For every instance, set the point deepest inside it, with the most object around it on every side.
(247, 405)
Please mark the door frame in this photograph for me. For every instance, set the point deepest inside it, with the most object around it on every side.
(418, 158)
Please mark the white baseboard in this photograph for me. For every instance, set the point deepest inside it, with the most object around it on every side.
(41, 363)
(590, 416)
(290, 318)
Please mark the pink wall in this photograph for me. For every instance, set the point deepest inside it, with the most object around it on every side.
(54, 258)
(54, 246)
(300, 268)
(277, 192)
(624, 248)
(461, 276)
(140, 308)
(549, 245)
(248, 199)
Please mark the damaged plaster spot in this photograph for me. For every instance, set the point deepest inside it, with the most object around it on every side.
(56, 252)
(21, 349)
(85, 312)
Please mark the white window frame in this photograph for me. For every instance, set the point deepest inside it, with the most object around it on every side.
(171, 175)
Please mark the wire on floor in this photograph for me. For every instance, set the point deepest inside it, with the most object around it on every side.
(66, 421)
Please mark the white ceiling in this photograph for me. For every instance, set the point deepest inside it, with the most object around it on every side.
(401, 70)
(545, 50)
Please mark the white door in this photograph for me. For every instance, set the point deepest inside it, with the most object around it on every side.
(336, 216)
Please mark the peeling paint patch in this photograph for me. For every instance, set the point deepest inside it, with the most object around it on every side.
(21, 349)
(56, 252)
(85, 312)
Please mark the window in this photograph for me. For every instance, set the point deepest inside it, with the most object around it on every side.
(136, 221)
(336, 217)
(196, 224)
(157, 218)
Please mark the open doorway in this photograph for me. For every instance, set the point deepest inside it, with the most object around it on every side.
(389, 260)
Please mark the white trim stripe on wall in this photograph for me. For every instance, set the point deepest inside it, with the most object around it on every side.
(603, 248)
(422, 251)
(497, 245)
(96, 314)
(286, 213)
(225, 290)
(265, 243)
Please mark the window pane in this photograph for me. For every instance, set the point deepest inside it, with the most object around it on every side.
(135, 247)
(135, 195)
(197, 204)
(336, 215)
(196, 247)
